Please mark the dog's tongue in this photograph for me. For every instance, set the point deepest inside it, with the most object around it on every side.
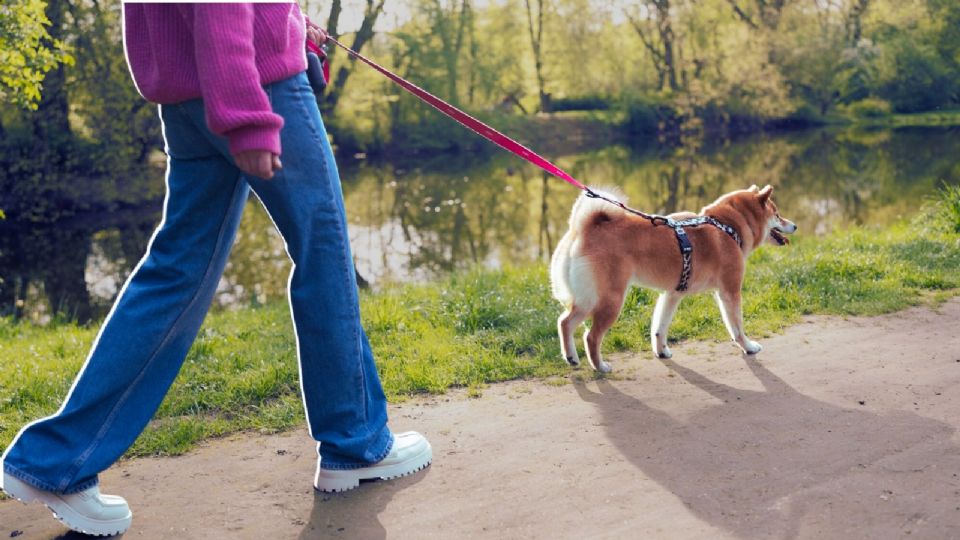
(781, 239)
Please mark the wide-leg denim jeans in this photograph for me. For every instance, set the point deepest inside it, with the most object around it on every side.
(157, 315)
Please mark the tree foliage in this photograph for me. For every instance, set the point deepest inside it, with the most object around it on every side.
(85, 142)
(713, 63)
(676, 64)
(27, 51)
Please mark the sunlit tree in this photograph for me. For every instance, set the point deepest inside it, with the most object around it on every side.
(27, 51)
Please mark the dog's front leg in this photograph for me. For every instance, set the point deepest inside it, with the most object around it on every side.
(730, 310)
(662, 317)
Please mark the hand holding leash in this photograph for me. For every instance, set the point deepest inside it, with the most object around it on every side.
(315, 34)
(317, 67)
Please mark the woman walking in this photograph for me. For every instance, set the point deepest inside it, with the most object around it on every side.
(238, 115)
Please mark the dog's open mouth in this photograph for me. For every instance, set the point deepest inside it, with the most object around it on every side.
(778, 237)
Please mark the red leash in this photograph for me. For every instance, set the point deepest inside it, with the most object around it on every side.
(490, 133)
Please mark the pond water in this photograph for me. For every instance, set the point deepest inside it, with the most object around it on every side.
(418, 220)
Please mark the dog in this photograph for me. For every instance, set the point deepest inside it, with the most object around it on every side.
(608, 248)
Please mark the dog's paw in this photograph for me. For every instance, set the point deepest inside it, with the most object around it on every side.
(665, 353)
(752, 347)
(573, 360)
(604, 367)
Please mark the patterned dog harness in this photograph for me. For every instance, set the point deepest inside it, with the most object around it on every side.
(686, 248)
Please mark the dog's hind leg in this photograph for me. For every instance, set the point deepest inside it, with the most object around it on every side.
(604, 316)
(566, 325)
(662, 317)
(730, 310)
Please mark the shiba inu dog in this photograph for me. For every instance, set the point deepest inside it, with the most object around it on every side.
(607, 249)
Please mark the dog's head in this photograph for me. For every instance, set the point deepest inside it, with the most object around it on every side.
(775, 225)
(757, 207)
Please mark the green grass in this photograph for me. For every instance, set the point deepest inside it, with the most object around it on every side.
(948, 208)
(477, 328)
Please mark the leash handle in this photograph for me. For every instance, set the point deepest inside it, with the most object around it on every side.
(316, 49)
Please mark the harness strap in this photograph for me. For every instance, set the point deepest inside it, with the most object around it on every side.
(686, 248)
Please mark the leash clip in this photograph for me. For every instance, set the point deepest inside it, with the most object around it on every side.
(660, 220)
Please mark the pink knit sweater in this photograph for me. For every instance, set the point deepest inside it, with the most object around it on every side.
(223, 53)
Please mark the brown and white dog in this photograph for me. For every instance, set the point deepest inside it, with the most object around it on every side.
(607, 249)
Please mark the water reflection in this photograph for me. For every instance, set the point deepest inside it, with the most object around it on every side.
(72, 267)
(418, 220)
(427, 220)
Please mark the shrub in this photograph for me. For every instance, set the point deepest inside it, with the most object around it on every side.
(949, 204)
(920, 79)
(644, 116)
(869, 108)
(804, 116)
(581, 103)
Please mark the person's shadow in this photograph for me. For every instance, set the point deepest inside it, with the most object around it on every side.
(778, 464)
(355, 514)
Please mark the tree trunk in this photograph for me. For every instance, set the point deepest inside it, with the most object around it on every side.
(665, 27)
(333, 21)
(364, 34)
(536, 41)
(771, 11)
(855, 21)
(474, 58)
(768, 11)
(662, 47)
(451, 38)
(466, 16)
(51, 123)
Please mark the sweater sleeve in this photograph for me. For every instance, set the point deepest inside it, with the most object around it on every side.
(236, 105)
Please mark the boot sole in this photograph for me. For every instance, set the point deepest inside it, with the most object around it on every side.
(26, 494)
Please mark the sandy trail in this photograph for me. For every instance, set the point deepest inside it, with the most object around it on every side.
(841, 428)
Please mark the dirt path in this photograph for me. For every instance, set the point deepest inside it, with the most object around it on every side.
(840, 429)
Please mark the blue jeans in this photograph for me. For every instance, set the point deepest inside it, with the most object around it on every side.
(157, 315)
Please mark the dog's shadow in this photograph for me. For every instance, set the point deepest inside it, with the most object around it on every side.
(776, 463)
(355, 513)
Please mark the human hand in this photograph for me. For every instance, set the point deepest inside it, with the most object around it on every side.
(259, 163)
(316, 34)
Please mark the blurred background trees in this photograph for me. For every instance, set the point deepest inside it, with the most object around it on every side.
(677, 68)
(684, 66)
(81, 153)
(728, 65)
(680, 69)
(738, 63)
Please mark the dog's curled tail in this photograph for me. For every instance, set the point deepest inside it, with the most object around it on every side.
(566, 263)
(588, 208)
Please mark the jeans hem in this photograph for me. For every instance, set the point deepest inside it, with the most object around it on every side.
(44, 486)
(346, 466)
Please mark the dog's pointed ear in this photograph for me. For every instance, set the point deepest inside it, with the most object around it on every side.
(754, 189)
(765, 194)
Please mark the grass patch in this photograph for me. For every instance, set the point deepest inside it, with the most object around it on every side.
(948, 207)
(476, 328)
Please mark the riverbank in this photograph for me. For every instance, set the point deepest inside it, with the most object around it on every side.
(843, 427)
(476, 328)
(655, 122)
